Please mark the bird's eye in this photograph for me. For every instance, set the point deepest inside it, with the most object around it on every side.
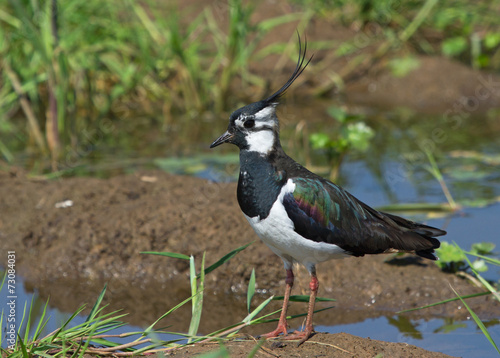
(249, 123)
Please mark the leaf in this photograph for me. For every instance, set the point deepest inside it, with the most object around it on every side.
(482, 248)
(197, 294)
(346, 48)
(450, 253)
(492, 40)
(359, 135)
(304, 298)
(148, 329)
(468, 173)
(221, 353)
(251, 290)
(319, 140)
(226, 258)
(95, 309)
(24, 351)
(400, 67)
(485, 293)
(168, 254)
(479, 323)
(479, 266)
(481, 279)
(488, 259)
(337, 113)
(256, 348)
(256, 311)
(454, 46)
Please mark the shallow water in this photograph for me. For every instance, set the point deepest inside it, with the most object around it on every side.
(456, 338)
(463, 340)
(392, 171)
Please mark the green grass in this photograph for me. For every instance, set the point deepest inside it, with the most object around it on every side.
(70, 65)
(465, 30)
(489, 289)
(94, 336)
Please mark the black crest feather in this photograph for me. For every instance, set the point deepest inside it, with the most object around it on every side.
(299, 68)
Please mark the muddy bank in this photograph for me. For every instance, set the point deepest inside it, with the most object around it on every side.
(320, 345)
(436, 85)
(101, 236)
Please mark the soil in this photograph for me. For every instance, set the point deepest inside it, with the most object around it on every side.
(320, 345)
(437, 84)
(70, 253)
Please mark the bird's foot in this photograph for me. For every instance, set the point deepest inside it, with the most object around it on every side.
(302, 336)
(280, 329)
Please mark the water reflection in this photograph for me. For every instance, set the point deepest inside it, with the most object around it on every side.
(393, 171)
(458, 338)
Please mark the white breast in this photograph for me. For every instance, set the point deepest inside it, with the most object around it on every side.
(277, 232)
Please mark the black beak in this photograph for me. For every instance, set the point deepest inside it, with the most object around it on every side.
(226, 137)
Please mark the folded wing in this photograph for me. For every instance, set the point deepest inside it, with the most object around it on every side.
(324, 212)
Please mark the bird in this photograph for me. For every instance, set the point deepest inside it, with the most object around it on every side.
(302, 217)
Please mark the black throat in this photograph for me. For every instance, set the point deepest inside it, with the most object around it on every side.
(259, 183)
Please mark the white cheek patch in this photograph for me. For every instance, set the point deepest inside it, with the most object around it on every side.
(260, 141)
(238, 122)
(265, 113)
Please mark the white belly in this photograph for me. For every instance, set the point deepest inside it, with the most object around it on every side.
(277, 232)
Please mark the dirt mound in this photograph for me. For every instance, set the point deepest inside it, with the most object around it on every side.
(70, 252)
(320, 345)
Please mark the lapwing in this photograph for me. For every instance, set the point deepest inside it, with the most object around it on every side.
(301, 216)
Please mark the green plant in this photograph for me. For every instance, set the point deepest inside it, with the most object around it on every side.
(94, 336)
(400, 67)
(436, 173)
(453, 259)
(353, 134)
(479, 251)
(464, 30)
(70, 65)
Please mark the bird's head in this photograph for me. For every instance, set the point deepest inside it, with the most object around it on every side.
(255, 127)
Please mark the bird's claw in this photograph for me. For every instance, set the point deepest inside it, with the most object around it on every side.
(280, 329)
(302, 336)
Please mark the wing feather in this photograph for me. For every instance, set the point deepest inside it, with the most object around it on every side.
(324, 212)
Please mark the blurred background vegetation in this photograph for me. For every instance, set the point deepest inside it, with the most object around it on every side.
(91, 87)
(77, 75)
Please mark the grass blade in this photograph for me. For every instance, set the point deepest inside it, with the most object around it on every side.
(304, 298)
(41, 322)
(95, 309)
(197, 303)
(56, 333)
(251, 290)
(226, 258)
(434, 170)
(262, 320)
(491, 260)
(23, 346)
(256, 311)
(479, 323)
(256, 348)
(167, 254)
(485, 283)
(446, 301)
(150, 328)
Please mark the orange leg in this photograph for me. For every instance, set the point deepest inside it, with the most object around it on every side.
(282, 325)
(308, 329)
